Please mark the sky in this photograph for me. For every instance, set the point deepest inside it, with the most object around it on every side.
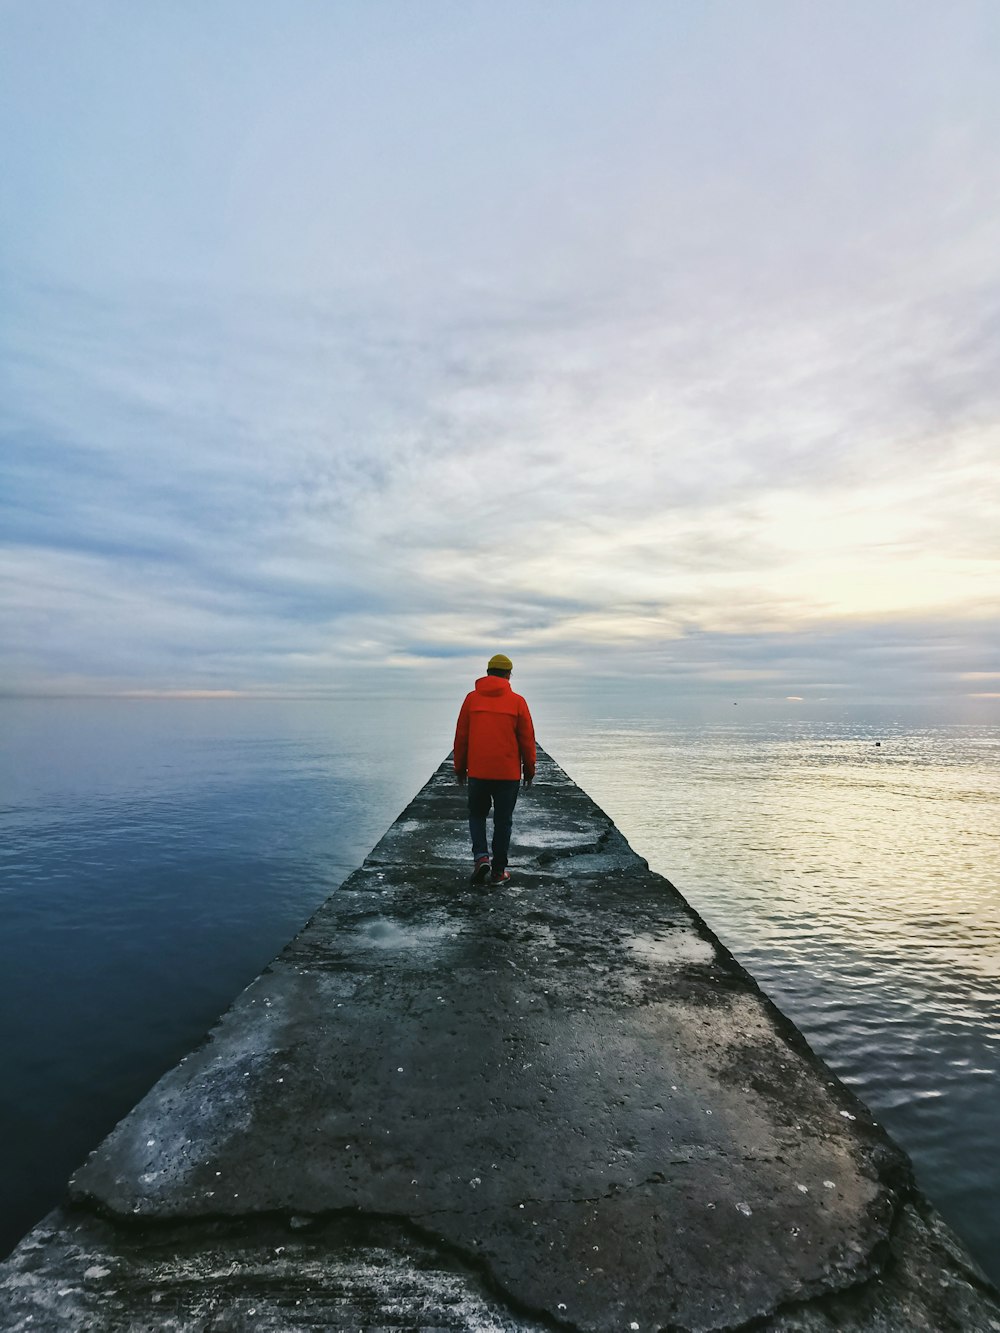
(343, 344)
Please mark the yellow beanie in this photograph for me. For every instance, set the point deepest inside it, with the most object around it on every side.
(499, 662)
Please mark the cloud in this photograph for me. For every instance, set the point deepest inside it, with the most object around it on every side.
(350, 499)
(659, 368)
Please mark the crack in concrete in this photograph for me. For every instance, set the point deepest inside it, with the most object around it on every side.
(877, 1261)
(869, 1265)
(583, 849)
(461, 1258)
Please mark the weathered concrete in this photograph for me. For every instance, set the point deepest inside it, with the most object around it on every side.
(559, 1103)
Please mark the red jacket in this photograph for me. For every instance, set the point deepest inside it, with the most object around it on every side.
(494, 737)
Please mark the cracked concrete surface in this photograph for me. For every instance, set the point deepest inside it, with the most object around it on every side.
(559, 1103)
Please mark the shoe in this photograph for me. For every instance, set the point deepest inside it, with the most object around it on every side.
(499, 878)
(482, 871)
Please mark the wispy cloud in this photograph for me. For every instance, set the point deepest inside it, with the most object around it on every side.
(708, 395)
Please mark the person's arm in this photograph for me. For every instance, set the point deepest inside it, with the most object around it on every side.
(462, 744)
(526, 743)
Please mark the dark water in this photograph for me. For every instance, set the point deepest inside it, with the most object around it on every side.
(156, 854)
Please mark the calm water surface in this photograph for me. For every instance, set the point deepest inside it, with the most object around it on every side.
(156, 855)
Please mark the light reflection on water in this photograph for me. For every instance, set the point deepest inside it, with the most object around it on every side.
(156, 855)
(860, 885)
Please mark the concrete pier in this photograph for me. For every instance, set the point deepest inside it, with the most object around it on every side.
(556, 1104)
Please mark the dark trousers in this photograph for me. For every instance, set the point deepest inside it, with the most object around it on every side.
(502, 795)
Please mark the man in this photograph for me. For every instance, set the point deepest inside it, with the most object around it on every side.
(494, 744)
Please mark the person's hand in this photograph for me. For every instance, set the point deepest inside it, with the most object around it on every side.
(460, 779)
(528, 781)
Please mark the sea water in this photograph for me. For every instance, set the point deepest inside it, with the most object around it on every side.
(157, 853)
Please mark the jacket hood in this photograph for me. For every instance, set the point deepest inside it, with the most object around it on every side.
(492, 685)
